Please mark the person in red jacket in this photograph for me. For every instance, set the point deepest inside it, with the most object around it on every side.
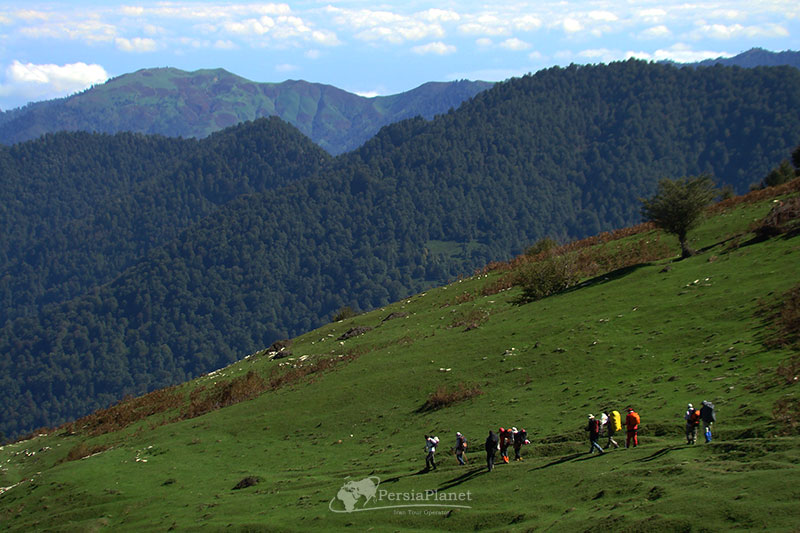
(632, 424)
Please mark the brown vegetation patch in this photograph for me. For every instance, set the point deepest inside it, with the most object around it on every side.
(81, 450)
(786, 413)
(471, 319)
(783, 319)
(128, 411)
(203, 400)
(444, 396)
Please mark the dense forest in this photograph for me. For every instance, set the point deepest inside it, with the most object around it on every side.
(564, 153)
(115, 197)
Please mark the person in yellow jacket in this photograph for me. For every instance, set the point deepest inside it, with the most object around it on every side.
(612, 421)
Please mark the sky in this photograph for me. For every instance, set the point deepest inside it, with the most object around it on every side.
(54, 49)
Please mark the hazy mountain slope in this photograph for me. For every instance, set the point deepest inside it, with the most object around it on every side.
(174, 103)
(564, 153)
(655, 335)
(755, 57)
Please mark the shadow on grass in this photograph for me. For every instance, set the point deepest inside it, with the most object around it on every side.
(559, 461)
(475, 472)
(609, 276)
(395, 479)
(657, 455)
(590, 456)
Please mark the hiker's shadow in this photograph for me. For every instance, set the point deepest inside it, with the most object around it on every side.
(660, 453)
(558, 461)
(475, 472)
(395, 479)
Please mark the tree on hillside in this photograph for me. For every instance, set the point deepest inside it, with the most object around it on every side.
(677, 206)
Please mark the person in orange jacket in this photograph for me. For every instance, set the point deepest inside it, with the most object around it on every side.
(632, 422)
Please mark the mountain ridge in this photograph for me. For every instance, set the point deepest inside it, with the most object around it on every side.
(176, 103)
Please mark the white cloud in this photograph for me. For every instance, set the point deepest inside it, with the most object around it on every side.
(286, 67)
(527, 23)
(571, 25)
(655, 32)
(438, 48)
(439, 15)
(680, 53)
(603, 16)
(732, 31)
(485, 24)
(484, 42)
(89, 31)
(515, 44)
(225, 45)
(137, 44)
(652, 15)
(325, 38)
(29, 82)
(313, 54)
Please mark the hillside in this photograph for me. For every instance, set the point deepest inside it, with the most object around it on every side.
(755, 57)
(82, 208)
(268, 443)
(564, 154)
(175, 103)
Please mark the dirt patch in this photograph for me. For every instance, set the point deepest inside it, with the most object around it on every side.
(354, 332)
(249, 481)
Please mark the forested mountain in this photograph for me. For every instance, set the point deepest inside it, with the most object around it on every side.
(176, 103)
(562, 153)
(80, 208)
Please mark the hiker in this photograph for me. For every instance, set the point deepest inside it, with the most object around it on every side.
(613, 423)
(430, 448)
(520, 438)
(708, 415)
(505, 441)
(692, 418)
(492, 444)
(460, 448)
(594, 433)
(632, 422)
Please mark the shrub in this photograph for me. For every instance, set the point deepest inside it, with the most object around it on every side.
(546, 277)
(444, 397)
(344, 313)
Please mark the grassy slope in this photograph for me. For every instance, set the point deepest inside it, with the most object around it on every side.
(647, 337)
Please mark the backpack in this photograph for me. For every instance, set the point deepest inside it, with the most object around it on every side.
(594, 425)
(616, 420)
(694, 418)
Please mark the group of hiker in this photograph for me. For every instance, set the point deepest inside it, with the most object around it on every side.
(500, 441)
(610, 421)
(608, 424)
(693, 417)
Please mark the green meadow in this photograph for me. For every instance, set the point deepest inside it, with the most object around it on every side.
(341, 404)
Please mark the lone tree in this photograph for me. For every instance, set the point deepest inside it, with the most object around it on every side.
(677, 206)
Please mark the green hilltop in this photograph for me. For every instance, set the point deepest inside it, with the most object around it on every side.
(176, 103)
(266, 443)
